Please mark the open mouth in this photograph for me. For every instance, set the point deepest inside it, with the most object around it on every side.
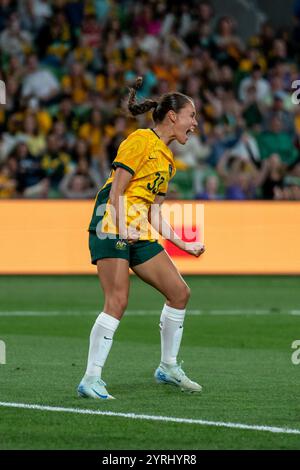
(189, 131)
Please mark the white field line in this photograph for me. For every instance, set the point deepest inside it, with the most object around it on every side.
(133, 313)
(240, 312)
(169, 419)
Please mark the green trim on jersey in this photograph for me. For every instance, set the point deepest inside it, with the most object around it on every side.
(102, 198)
(121, 165)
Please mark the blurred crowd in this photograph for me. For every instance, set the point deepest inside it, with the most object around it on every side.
(67, 65)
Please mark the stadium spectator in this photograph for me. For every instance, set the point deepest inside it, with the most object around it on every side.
(77, 83)
(237, 176)
(211, 190)
(54, 40)
(278, 109)
(30, 174)
(92, 132)
(15, 69)
(91, 31)
(39, 83)
(55, 162)
(80, 183)
(271, 177)
(14, 40)
(65, 113)
(31, 134)
(259, 84)
(81, 151)
(34, 13)
(276, 140)
(227, 46)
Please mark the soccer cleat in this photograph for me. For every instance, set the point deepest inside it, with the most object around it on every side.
(174, 375)
(93, 387)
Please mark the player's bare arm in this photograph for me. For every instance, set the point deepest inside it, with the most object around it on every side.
(165, 230)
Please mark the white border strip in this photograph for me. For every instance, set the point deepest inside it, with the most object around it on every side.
(169, 419)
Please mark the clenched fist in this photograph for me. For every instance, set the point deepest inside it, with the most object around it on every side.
(194, 248)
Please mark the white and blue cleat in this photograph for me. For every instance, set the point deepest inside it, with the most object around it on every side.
(174, 375)
(93, 387)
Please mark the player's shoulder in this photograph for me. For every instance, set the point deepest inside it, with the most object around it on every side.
(137, 140)
(141, 134)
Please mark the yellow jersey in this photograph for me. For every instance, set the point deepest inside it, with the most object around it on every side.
(151, 163)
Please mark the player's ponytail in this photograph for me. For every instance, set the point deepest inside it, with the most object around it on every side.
(139, 108)
(169, 101)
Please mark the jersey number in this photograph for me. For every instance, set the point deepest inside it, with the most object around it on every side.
(154, 188)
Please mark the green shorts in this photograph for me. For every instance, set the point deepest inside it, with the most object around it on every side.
(136, 253)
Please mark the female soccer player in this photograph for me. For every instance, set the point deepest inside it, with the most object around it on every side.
(141, 171)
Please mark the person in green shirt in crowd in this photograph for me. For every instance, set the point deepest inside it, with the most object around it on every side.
(275, 140)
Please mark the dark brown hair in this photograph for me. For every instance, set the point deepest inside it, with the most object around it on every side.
(169, 101)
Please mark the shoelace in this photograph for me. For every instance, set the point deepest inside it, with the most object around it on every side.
(179, 369)
(100, 382)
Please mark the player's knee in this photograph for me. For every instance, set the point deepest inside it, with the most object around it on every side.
(117, 303)
(181, 295)
(186, 293)
(122, 302)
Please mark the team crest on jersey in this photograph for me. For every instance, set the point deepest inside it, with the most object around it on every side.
(170, 170)
(121, 245)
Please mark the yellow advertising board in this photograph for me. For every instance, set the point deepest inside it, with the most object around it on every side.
(50, 237)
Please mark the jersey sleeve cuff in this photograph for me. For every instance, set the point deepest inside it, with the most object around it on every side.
(161, 194)
(121, 165)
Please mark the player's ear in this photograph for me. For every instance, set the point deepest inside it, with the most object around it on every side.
(172, 116)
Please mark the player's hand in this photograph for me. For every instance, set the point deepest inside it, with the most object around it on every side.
(131, 236)
(194, 248)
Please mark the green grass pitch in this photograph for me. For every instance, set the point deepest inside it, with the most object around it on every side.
(238, 347)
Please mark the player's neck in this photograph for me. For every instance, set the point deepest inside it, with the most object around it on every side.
(164, 133)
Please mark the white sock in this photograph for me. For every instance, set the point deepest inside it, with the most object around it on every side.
(171, 329)
(100, 343)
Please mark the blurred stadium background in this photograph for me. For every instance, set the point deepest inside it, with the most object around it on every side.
(67, 66)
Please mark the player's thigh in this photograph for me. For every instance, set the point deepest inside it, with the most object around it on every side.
(161, 273)
(113, 274)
